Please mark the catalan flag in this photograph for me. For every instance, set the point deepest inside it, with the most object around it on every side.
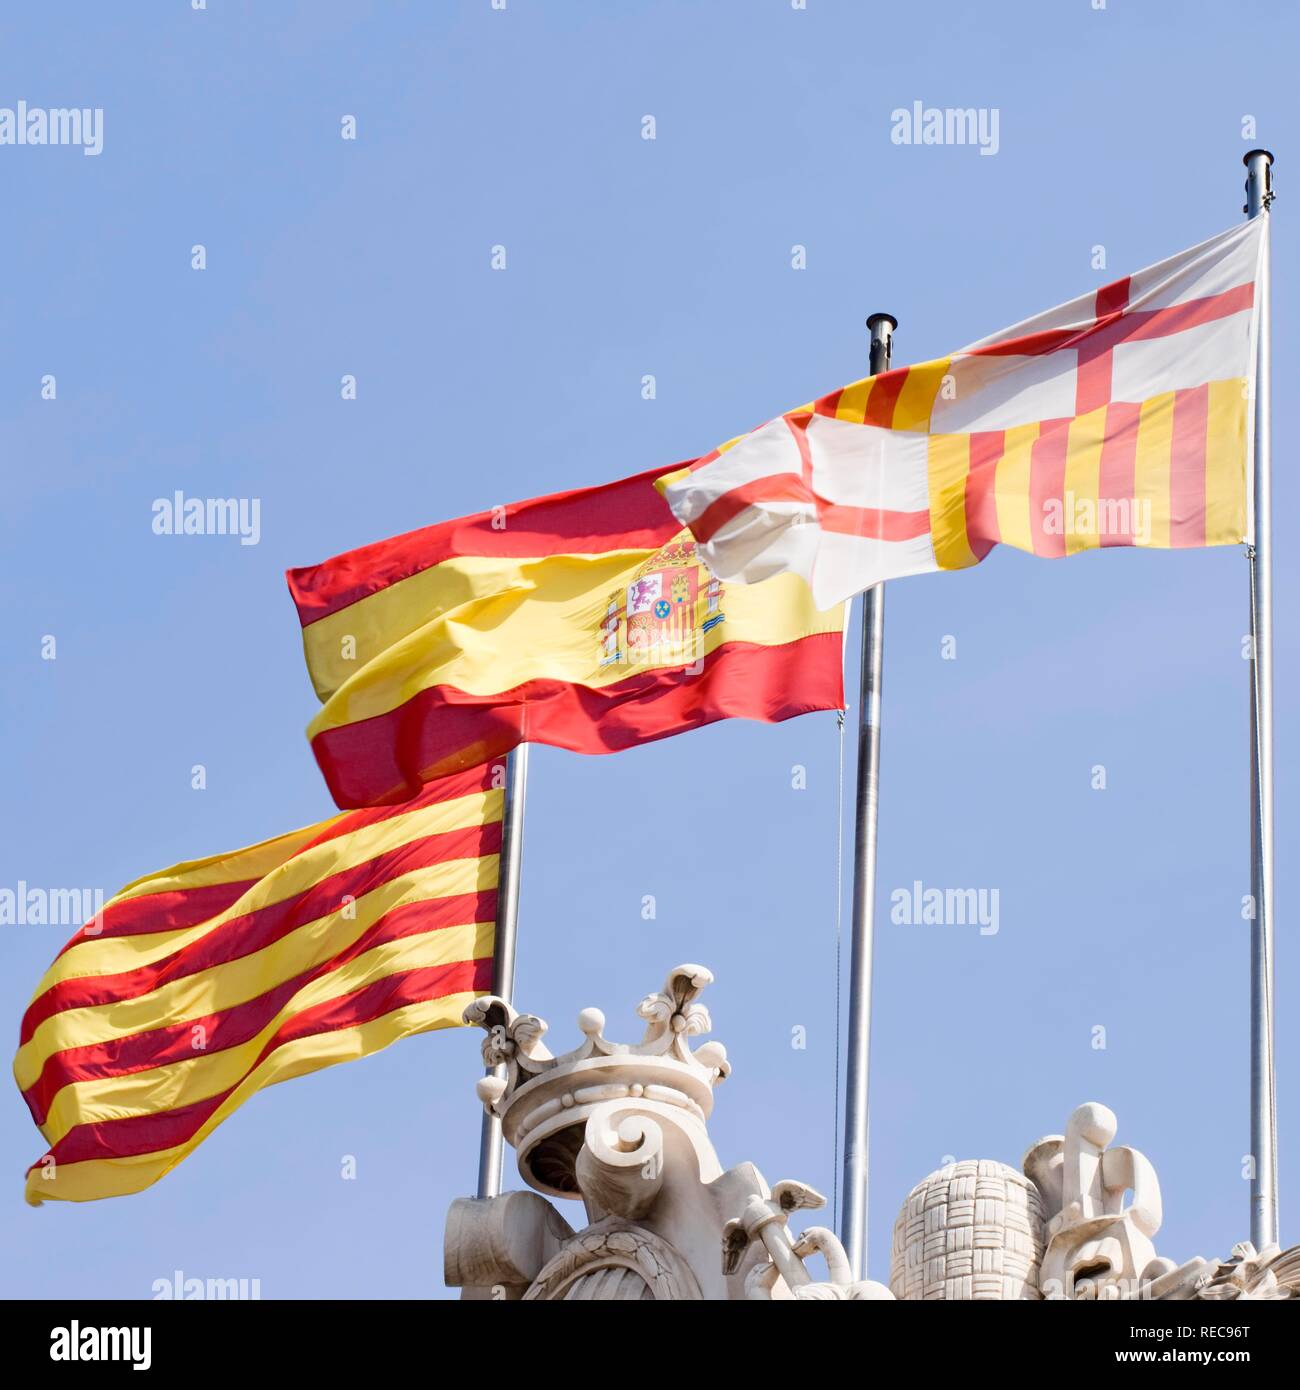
(583, 620)
(1117, 419)
(199, 985)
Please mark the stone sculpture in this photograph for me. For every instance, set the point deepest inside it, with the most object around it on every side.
(624, 1128)
(1061, 1230)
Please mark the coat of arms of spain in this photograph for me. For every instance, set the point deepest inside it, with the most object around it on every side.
(661, 616)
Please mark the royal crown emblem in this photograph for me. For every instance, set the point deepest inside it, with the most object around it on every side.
(661, 616)
(544, 1101)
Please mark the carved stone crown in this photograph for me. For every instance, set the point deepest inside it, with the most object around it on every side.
(544, 1101)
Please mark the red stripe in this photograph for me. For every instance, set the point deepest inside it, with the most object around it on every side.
(178, 908)
(776, 487)
(142, 1134)
(1033, 344)
(982, 533)
(1092, 380)
(1113, 297)
(1135, 325)
(1161, 323)
(138, 1134)
(1116, 474)
(156, 1047)
(627, 515)
(1097, 352)
(253, 931)
(876, 522)
(828, 404)
(883, 397)
(1187, 467)
(873, 522)
(798, 427)
(467, 783)
(382, 758)
(156, 912)
(1047, 458)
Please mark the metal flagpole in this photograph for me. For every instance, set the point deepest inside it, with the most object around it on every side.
(491, 1147)
(1263, 1117)
(853, 1223)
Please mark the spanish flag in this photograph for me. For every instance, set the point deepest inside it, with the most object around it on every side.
(199, 985)
(584, 620)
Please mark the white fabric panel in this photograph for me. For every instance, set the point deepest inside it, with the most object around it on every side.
(769, 449)
(1208, 352)
(995, 393)
(852, 465)
(866, 466)
(776, 538)
(1221, 263)
(845, 565)
(1228, 259)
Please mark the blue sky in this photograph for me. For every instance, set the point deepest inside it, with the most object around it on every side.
(522, 127)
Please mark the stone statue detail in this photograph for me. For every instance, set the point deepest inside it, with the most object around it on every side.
(1062, 1230)
(623, 1127)
(1096, 1246)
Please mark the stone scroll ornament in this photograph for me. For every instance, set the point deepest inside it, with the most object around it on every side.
(623, 1128)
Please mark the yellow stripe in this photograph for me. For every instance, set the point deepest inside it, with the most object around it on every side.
(235, 865)
(1151, 465)
(916, 399)
(185, 1083)
(1225, 463)
(662, 484)
(93, 1178)
(114, 955)
(1083, 480)
(948, 464)
(853, 401)
(522, 620)
(235, 982)
(548, 626)
(1011, 488)
(340, 644)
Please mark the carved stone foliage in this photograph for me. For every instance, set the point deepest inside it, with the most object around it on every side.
(672, 1014)
(615, 1260)
(1271, 1273)
(544, 1101)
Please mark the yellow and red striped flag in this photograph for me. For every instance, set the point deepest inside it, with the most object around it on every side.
(197, 986)
(583, 620)
(1117, 419)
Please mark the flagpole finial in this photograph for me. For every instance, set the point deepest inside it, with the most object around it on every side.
(881, 327)
(1259, 181)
